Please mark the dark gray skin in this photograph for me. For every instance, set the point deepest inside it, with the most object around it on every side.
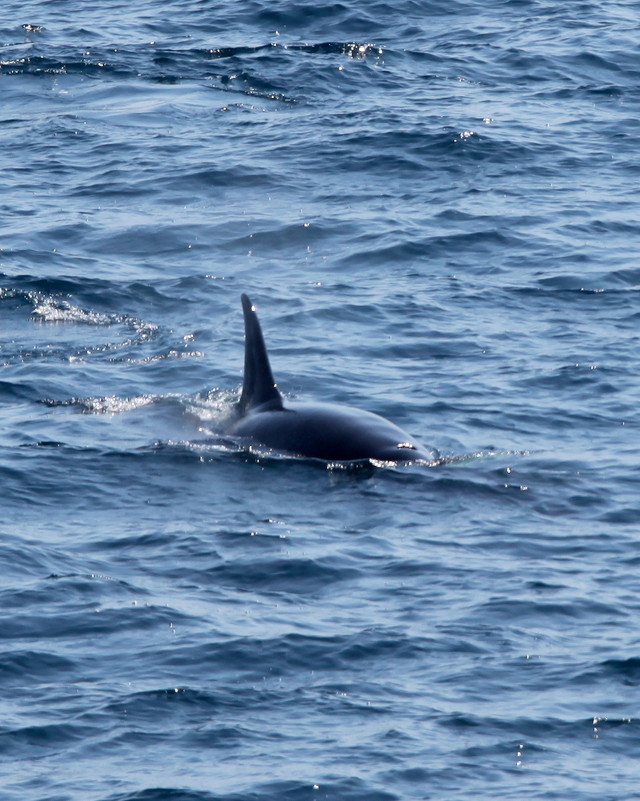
(324, 431)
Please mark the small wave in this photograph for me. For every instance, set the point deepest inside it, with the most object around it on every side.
(50, 307)
(53, 310)
(43, 740)
(110, 404)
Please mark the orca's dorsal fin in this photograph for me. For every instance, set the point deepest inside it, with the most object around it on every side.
(259, 388)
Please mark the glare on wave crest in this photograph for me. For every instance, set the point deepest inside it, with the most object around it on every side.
(109, 404)
(56, 310)
(214, 407)
(60, 311)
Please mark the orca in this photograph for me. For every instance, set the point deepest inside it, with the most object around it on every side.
(326, 431)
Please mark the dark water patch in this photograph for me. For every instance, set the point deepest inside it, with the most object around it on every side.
(16, 667)
(38, 741)
(285, 655)
(88, 622)
(297, 576)
(10, 392)
(625, 671)
(128, 545)
(576, 609)
(239, 176)
(623, 516)
(153, 706)
(281, 237)
(23, 556)
(62, 590)
(162, 793)
(478, 243)
(350, 789)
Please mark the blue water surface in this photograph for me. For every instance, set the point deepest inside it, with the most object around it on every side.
(435, 208)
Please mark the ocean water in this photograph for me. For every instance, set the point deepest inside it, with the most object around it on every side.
(435, 208)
